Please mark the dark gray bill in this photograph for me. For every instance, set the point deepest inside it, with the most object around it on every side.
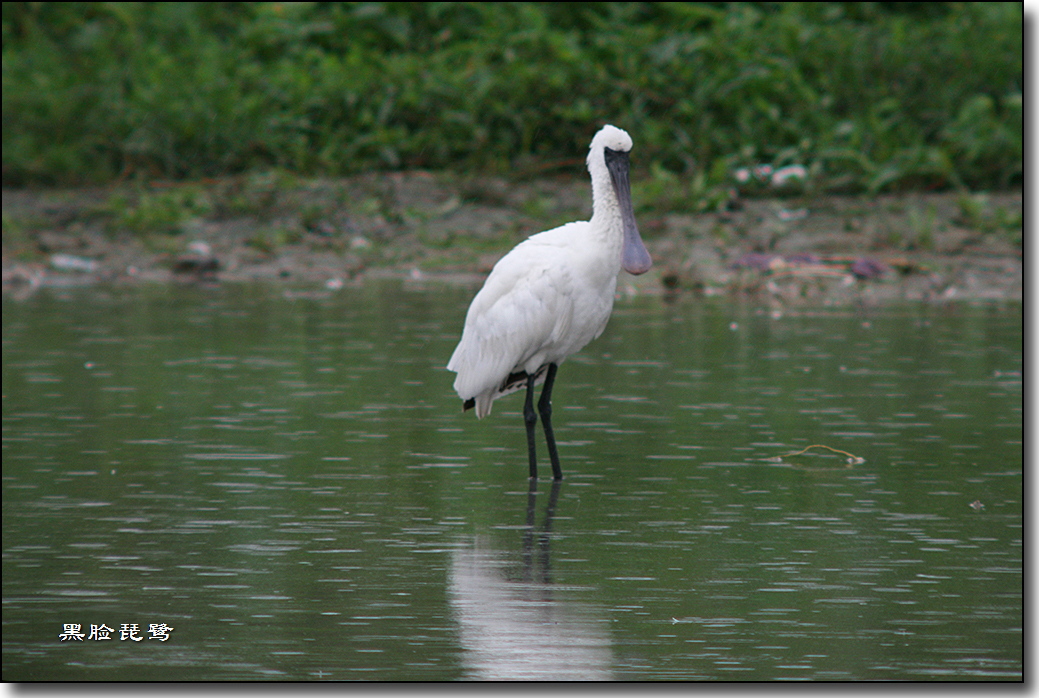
(634, 255)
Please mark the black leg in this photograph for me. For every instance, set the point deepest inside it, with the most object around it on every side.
(545, 408)
(530, 418)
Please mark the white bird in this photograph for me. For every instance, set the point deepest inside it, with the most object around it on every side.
(550, 296)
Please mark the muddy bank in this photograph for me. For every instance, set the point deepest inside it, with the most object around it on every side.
(329, 234)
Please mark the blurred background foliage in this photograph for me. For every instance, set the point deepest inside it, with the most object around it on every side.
(867, 96)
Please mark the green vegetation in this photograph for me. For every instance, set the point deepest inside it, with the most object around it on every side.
(153, 211)
(866, 96)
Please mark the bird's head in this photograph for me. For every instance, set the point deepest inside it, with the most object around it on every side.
(608, 138)
(608, 165)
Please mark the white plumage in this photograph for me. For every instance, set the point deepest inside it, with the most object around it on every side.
(552, 294)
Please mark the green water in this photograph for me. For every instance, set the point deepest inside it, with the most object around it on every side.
(287, 480)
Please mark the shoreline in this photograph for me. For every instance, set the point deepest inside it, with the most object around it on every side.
(442, 228)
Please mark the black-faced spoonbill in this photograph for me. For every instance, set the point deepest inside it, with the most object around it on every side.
(550, 296)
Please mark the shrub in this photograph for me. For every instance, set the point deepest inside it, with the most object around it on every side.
(866, 95)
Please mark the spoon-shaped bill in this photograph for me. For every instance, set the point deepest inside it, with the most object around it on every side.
(635, 257)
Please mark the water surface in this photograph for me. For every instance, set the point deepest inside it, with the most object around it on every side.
(288, 481)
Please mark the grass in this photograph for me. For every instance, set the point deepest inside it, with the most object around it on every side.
(866, 96)
(163, 211)
(976, 213)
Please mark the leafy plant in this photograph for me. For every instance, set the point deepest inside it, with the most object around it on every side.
(865, 96)
(150, 211)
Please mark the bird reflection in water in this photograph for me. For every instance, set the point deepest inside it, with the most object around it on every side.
(523, 626)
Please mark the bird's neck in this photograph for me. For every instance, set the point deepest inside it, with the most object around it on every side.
(606, 213)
